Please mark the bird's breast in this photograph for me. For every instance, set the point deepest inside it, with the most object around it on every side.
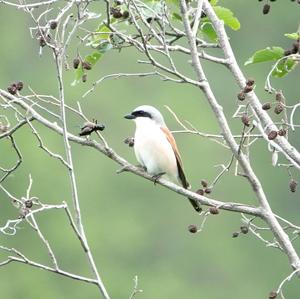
(153, 150)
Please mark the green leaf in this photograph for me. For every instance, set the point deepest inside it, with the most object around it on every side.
(92, 59)
(214, 2)
(104, 47)
(227, 16)
(284, 67)
(208, 30)
(268, 54)
(96, 39)
(176, 17)
(294, 35)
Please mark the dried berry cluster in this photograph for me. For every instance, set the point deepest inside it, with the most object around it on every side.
(90, 127)
(192, 228)
(129, 141)
(243, 229)
(248, 87)
(117, 13)
(85, 65)
(14, 87)
(205, 188)
(279, 107)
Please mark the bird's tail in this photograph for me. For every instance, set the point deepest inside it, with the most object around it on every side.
(185, 184)
(195, 205)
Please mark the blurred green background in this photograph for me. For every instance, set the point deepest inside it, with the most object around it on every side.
(133, 227)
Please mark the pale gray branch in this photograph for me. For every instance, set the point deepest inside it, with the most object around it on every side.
(267, 213)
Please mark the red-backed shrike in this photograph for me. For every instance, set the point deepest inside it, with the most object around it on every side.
(155, 147)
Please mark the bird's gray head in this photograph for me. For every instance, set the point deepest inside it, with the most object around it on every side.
(147, 111)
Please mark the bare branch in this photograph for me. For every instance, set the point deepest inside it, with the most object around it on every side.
(268, 215)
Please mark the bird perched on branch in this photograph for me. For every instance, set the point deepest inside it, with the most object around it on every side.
(155, 147)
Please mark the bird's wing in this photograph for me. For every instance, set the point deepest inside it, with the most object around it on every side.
(172, 141)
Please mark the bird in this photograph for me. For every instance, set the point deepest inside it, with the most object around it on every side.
(155, 147)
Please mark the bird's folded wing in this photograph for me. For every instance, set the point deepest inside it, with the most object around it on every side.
(172, 141)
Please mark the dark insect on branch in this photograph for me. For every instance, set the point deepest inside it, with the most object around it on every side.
(90, 127)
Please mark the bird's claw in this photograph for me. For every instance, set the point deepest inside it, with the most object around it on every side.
(156, 177)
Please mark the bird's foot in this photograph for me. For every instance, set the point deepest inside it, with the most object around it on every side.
(156, 177)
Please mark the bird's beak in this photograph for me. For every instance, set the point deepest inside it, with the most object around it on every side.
(129, 116)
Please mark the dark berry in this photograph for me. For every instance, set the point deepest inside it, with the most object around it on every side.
(86, 65)
(279, 96)
(125, 14)
(129, 141)
(200, 191)
(214, 210)
(246, 120)
(28, 203)
(266, 106)
(282, 132)
(247, 89)
(76, 62)
(272, 135)
(53, 25)
(12, 89)
(207, 190)
(293, 185)
(116, 12)
(241, 96)
(250, 82)
(244, 229)
(84, 78)
(204, 183)
(19, 85)
(266, 9)
(192, 228)
(278, 108)
(149, 20)
(272, 295)
(235, 235)
(42, 42)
